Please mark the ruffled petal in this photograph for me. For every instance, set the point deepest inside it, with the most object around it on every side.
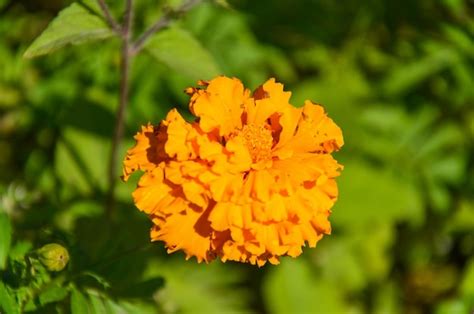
(220, 105)
(270, 99)
(188, 231)
(315, 133)
(251, 180)
(144, 155)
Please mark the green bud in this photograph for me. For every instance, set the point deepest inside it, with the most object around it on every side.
(53, 256)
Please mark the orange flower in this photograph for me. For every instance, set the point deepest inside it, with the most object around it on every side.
(250, 180)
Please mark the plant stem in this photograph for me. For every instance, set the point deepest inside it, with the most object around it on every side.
(126, 31)
(108, 16)
(163, 22)
(129, 50)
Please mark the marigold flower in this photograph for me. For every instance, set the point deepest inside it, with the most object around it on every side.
(250, 180)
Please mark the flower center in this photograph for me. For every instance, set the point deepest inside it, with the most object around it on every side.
(259, 141)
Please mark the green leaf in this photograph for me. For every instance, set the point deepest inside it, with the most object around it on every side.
(179, 50)
(102, 281)
(7, 301)
(19, 250)
(406, 77)
(453, 306)
(53, 294)
(467, 283)
(98, 303)
(74, 25)
(190, 288)
(369, 195)
(76, 166)
(5, 238)
(79, 303)
(291, 288)
(134, 306)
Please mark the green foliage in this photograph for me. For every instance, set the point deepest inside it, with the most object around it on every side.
(292, 288)
(5, 238)
(397, 77)
(74, 25)
(7, 300)
(79, 303)
(192, 288)
(179, 50)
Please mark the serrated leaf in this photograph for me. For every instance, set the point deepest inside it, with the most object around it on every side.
(5, 238)
(74, 25)
(7, 301)
(179, 50)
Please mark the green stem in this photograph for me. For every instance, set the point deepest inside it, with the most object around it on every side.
(126, 58)
(163, 22)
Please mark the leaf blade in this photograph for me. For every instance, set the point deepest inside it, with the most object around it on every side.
(180, 51)
(7, 301)
(5, 238)
(79, 303)
(74, 25)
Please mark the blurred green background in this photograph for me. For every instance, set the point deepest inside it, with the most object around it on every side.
(397, 76)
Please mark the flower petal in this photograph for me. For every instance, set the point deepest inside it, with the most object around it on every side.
(144, 155)
(220, 105)
(315, 132)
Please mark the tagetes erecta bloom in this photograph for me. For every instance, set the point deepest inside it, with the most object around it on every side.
(250, 180)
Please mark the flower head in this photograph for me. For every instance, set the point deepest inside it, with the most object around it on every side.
(250, 180)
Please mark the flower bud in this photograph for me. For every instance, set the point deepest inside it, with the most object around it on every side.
(53, 256)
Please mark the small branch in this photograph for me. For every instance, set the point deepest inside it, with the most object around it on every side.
(123, 101)
(163, 22)
(108, 16)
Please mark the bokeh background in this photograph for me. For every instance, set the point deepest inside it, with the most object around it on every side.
(397, 76)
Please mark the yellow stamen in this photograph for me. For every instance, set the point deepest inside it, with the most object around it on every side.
(259, 141)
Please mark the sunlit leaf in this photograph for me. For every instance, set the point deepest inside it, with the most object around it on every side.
(53, 294)
(79, 303)
(74, 25)
(7, 301)
(98, 303)
(5, 238)
(179, 50)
